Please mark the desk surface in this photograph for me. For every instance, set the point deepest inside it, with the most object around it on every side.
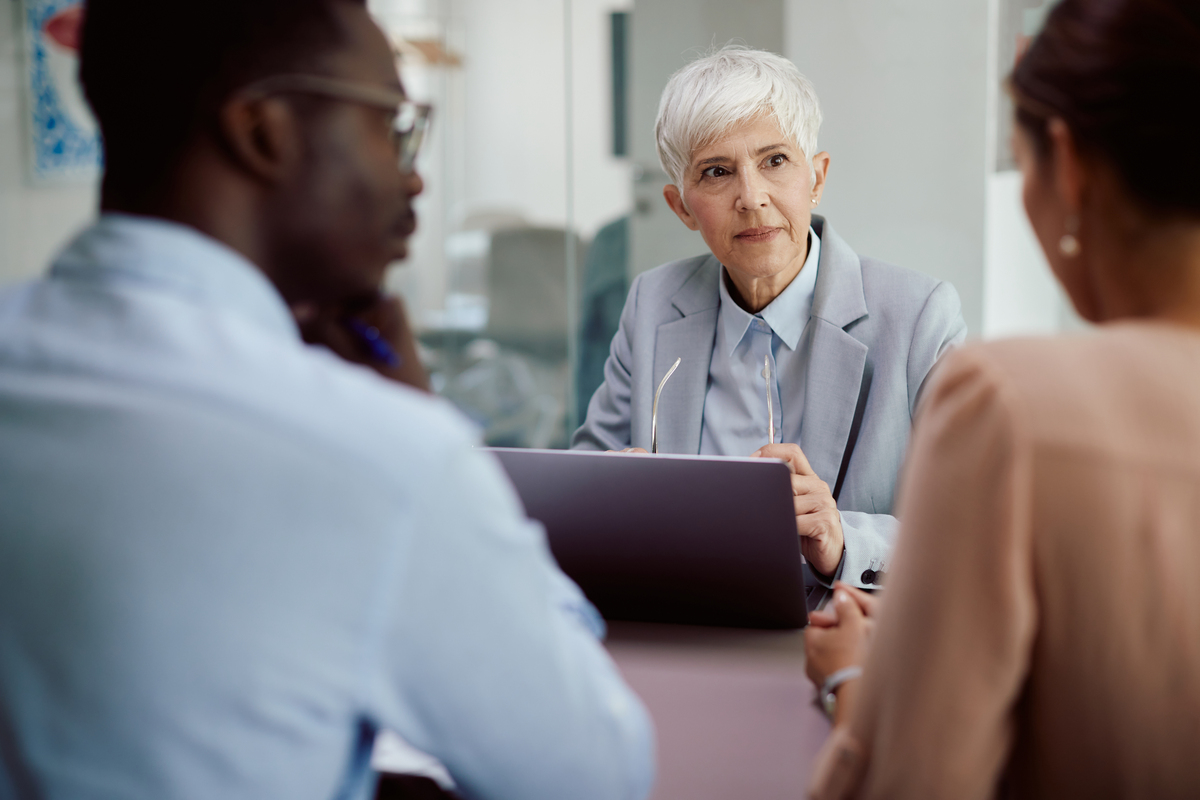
(733, 710)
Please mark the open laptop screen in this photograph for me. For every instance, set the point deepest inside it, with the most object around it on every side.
(664, 538)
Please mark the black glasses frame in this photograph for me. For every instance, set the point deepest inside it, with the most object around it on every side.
(409, 123)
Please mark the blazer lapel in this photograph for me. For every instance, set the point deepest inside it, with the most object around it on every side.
(837, 359)
(681, 404)
(831, 392)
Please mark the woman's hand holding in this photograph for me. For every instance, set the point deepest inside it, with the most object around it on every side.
(839, 636)
(817, 519)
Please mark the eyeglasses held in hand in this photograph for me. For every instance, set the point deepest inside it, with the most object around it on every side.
(654, 408)
(766, 373)
(408, 121)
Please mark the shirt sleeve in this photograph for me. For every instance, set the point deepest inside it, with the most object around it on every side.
(867, 552)
(952, 643)
(494, 665)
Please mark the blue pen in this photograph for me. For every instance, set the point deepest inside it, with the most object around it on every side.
(370, 336)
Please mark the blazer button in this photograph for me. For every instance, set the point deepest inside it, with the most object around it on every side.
(868, 576)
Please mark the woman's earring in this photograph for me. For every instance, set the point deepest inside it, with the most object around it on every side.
(814, 201)
(1068, 245)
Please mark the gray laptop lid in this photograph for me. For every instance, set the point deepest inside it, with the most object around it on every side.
(691, 539)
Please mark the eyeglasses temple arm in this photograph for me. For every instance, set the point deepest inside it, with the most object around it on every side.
(654, 409)
(770, 409)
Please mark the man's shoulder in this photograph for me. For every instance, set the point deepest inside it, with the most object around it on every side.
(352, 419)
(355, 408)
(196, 362)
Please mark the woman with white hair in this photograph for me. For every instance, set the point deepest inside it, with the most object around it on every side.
(789, 344)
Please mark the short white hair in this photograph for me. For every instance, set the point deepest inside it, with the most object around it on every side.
(715, 93)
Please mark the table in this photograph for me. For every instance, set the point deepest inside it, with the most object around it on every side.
(733, 710)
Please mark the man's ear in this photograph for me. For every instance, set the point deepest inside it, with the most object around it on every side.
(262, 135)
(675, 201)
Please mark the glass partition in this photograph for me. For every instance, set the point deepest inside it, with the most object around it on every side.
(521, 221)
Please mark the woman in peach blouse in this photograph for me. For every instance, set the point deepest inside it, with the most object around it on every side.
(1040, 633)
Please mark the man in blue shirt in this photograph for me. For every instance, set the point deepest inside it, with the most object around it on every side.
(227, 558)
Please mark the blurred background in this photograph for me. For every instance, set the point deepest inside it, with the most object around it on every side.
(543, 189)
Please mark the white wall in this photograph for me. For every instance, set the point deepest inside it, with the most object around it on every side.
(515, 123)
(603, 189)
(1020, 294)
(903, 89)
(34, 222)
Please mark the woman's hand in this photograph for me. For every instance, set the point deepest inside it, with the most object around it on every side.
(630, 450)
(817, 518)
(839, 636)
(335, 328)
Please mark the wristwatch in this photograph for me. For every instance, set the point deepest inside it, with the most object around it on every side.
(829, 688)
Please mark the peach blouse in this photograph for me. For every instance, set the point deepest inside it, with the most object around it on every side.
(1040, 634)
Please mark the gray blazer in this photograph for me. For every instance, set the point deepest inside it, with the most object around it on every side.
(879, 331)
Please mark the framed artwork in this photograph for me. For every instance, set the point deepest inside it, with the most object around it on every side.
(64, 145)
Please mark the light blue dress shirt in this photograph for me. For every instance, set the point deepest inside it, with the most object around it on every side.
(228, 558)
(735, 404)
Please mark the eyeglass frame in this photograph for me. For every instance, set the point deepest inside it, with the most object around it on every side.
(766, 373)
(408, 126)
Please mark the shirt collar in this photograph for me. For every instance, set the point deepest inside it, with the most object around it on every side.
(174, 257)
(787, 314)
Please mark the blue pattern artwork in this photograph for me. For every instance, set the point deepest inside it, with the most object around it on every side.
(65, 146)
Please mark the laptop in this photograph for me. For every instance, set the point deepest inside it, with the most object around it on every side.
(667, 538)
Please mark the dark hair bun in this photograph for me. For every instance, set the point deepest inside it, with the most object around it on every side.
(1125, 77)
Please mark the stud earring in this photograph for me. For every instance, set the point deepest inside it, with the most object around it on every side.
(1068, 245)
